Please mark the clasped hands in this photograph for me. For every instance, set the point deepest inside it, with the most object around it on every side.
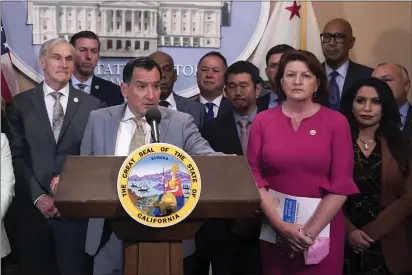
(295, 238)
(46, 204)
(359, 241)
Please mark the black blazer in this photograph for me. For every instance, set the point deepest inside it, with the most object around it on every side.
(191, 107)
(263, 102)
(107, 92)
(407, 129)
(355, 72)
(36, 156)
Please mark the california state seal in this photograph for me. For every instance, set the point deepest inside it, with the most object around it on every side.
(159, 185)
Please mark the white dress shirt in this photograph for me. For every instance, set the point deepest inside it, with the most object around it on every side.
(340, 79)
(7, 190)
(172, 102)
(88, 83)
(216, 103)
(125, 133)
(49, 100)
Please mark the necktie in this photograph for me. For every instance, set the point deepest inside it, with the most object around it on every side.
(58, 115)
(334, 94)
(210, 113)
(139, 137)
(244, 123)
(81, 86)
(164, 103)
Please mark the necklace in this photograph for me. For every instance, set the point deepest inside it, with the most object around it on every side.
(366, 143)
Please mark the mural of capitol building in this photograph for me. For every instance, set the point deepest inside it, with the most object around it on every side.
(132, 28)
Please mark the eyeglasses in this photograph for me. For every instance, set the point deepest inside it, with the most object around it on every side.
(326, 37)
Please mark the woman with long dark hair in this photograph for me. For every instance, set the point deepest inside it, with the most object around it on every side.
(378, 219)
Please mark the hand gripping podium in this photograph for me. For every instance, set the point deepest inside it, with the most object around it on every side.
(87, 189)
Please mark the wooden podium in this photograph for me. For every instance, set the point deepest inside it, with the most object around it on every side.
(87, 189)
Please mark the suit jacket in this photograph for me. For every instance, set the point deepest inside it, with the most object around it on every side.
(175, 128)
(188, 106)
(355, 72)
(107, 92)
(224, 107)
(393, 225)
(7, 190)
(263, 102)
(407, 129)
(37, 157)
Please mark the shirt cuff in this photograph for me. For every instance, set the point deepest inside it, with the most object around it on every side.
(38, 199)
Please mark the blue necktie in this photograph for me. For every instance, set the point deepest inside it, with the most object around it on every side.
(210, 113)
(334, 94)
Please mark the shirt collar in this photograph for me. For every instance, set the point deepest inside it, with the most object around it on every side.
(48, 90)
(239, 117)
(404, 109)
(128, 115)
(75, 81)
(171, 100)
(273, 97)
(216, 101)
(342, 70)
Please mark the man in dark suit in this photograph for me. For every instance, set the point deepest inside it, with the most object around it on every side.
(232, 248)
(87, 47)
(337, 40)
(170, 99)
(397, 77)
(272, 63)
(210, 73)
(46, 124)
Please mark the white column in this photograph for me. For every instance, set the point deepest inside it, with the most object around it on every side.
(150, 23)
(114, 20)
(103, 21)
(141, 21)
(75, 19)
(191, 41)
(123, 22)
(133, 30)
(181, 41)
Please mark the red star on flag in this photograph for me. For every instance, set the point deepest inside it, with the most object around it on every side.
(294, 10)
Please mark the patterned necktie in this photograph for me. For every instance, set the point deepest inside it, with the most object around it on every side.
(164, 103)
(81, 86)
(334, 94)
(139, 137)
(210, 113)
(58, 114)
(244, 123)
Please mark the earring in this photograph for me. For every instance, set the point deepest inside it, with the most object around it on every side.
(314, 94)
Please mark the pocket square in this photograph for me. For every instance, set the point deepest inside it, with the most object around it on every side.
(318, 251)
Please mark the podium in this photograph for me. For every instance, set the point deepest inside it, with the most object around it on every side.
(87, 189)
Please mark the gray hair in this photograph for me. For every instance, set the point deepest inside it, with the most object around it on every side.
(45, 46)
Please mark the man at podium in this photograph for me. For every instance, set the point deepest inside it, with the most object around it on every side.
(120, 130)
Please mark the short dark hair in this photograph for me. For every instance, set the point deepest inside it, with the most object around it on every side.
(214, 53)
(84, 34)
(240, 67)
(139, 62)
(390, 123)
(313, 64)
(281, 48)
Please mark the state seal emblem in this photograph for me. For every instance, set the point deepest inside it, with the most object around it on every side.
(159, 185)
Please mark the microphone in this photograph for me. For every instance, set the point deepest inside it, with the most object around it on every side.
(153, 117)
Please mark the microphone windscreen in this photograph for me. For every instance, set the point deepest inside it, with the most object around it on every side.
(153, 114)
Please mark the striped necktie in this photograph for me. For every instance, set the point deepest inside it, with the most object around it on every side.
(58, 115)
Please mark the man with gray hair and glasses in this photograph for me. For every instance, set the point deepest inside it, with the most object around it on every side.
(46, 124)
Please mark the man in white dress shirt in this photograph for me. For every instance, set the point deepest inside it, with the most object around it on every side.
(168, 98)
(114, 130)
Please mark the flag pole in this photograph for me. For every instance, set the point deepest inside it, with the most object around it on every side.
(303, 26)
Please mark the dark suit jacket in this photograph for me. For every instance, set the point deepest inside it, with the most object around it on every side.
(263, 102)
(107, 92)
(191, 107)
(36, 156)
(393, 225)
(355, 72)
(407, 129)
(224, 107)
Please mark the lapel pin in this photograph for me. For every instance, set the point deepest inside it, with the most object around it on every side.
(75, 99)
(96, 87)
(312, 132)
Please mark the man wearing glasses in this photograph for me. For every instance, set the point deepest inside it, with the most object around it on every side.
(337, 40)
